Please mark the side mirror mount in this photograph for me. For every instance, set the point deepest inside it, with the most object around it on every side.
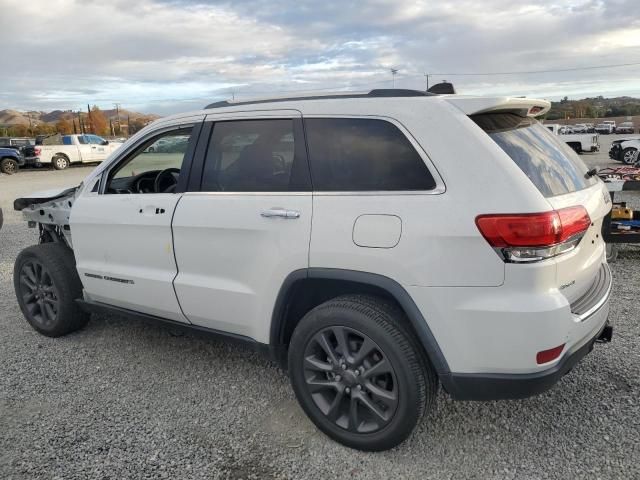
(105, 142)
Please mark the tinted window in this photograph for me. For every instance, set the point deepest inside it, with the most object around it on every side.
(552, 166)
(66, 140)
(254, 156)
(361, 154)
(94, 139)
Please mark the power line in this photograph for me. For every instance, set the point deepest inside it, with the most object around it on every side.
(528, 72)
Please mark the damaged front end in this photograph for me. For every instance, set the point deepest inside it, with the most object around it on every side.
(50, 212)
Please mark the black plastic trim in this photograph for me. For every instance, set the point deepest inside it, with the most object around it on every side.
(103, 308)
(393, 288)
(487, 386)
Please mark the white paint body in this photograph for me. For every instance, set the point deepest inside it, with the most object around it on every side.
(216, 262)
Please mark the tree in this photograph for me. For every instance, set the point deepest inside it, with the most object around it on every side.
(64, 126)
(99, 121)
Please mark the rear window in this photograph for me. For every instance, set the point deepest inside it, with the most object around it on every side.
(551, 165)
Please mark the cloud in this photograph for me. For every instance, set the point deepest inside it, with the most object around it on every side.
(173, 55)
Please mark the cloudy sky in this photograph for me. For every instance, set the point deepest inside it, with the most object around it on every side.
(165, 56)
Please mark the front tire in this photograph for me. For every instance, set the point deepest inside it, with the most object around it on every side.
(8, 166)
(60, 162)
(357, 374)
(47, 285)
(627, 155)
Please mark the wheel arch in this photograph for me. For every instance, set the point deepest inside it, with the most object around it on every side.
(304, 289)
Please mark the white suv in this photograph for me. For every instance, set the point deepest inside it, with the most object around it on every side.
(373, 244)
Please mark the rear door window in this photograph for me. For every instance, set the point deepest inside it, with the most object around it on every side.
(356, 154)
(255, 156)
(551, 165)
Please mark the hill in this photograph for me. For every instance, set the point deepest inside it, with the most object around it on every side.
(9, 118)
(594, 108)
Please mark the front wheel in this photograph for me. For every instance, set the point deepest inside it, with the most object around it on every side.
(60, 162)
(47, 285)
(357, 374)
(8, 166)
(628, 155)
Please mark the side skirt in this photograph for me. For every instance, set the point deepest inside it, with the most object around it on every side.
(102, 308)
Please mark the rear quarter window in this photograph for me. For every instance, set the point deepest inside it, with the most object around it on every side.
(551, 165)
(355, 154)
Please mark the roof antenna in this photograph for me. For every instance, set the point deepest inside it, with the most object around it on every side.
(443, 88)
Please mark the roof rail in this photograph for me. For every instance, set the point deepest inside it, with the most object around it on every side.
(376, 93)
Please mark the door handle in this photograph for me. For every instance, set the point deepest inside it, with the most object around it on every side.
(280, 212)
(151, 210)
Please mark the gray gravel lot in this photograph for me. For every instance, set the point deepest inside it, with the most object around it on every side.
(123, 399)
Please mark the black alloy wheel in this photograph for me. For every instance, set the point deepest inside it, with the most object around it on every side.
(350, 379)
(39, 294)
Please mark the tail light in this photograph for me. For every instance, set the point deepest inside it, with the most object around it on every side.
(37, 151)
(531, 237)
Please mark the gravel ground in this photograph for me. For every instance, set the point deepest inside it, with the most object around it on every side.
(122, 399)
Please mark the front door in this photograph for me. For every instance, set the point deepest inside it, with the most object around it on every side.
(122, 233)
(249, 226)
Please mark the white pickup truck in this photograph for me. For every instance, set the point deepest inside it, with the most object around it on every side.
(85, 148)
(580, 142)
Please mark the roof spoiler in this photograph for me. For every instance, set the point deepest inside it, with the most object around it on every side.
(526, 107)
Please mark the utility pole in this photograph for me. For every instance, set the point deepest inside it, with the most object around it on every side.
(394, 72)
(117, 105)
(426, 75)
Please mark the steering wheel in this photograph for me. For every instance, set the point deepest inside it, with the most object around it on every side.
(166, 176)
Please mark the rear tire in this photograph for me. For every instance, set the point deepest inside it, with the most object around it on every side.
(47, 285)
(8, 166)
(357, 374)
(60, 162)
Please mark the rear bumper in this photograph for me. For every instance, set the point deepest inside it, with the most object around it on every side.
(469, 386)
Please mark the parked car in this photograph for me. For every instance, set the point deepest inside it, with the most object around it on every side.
(612, 123)
(580, 128)
(590, 128)
(10, 160)
(605, 128)
(63, 150)
(579, 142)
(625, 127)
(481, 267)
(624, 150)
(22, 144)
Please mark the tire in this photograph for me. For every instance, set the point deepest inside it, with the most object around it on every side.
(60, 162)
(8, 166)
(627, 155)
(47, 285)
(330, 385)
(576, 147)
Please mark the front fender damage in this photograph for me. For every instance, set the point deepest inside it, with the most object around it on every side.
(50, 212)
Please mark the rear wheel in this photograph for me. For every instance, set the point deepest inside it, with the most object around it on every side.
(357, 374)
(47, 285)
(60, 162)
(628, 155)
(8, 166)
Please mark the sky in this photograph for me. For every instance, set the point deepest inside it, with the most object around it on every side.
(166, 56)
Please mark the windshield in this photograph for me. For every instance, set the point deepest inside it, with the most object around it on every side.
(551, 165)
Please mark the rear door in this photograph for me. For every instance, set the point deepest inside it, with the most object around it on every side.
(248, 226)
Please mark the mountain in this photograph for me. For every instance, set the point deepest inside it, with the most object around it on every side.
(10, 118)
(594, 107)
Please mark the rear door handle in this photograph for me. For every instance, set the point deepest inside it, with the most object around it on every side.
(280, 212)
